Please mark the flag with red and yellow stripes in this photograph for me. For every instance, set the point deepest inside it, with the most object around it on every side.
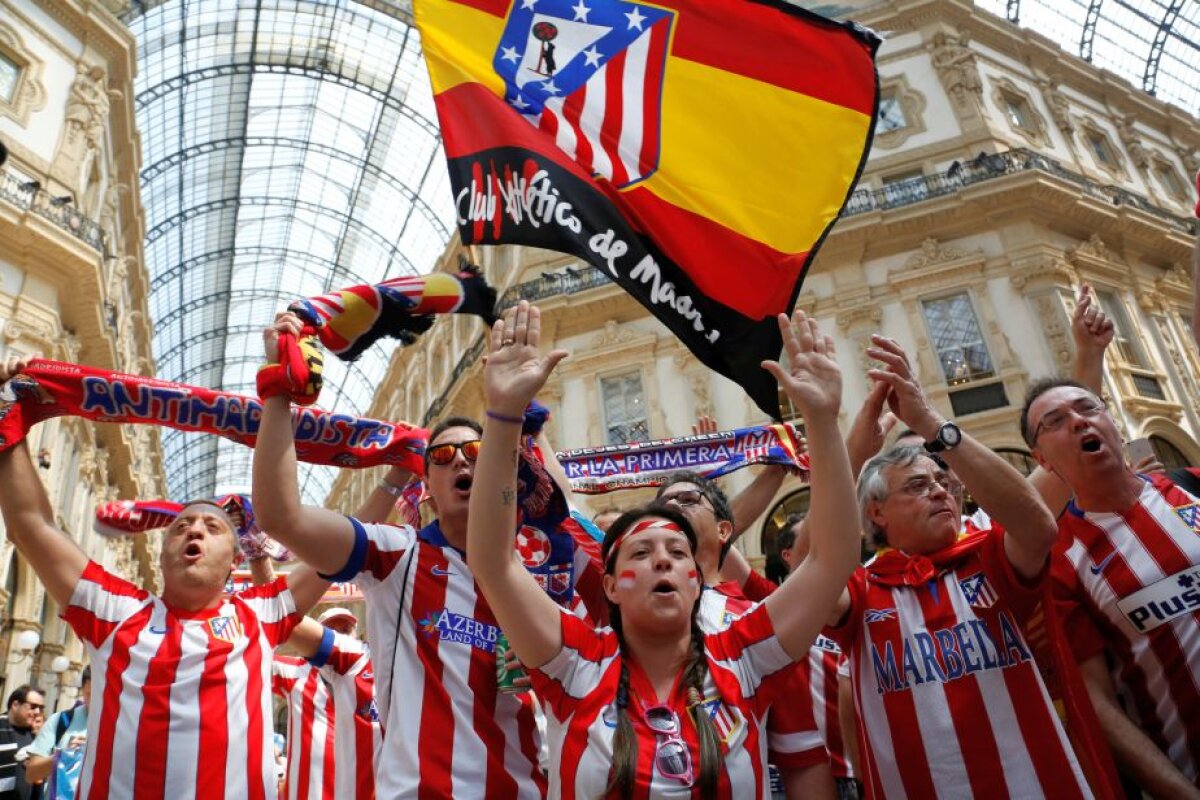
(696, 151)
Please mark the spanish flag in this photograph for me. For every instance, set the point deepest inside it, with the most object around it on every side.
(696, 151)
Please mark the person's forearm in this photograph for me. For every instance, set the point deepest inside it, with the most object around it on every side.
(493, 500)
(1137, 755)
(37, 768)
(1001, 491)
(751, 502)
(23, 498)
(1088, 368)
(261, 571)
(277, 495)
(553, 465)
(835, 536)
(380, 502)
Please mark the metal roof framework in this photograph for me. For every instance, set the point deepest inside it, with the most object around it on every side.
(291, 148)
(1153, 44)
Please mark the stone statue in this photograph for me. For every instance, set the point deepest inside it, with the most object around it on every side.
(1133, 144)
(1060, 107)
(955, 65)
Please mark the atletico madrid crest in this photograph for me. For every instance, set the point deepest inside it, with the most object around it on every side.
(1190, 514)
(726, 721)
(590, 74)
(978, 591)
(227, 629)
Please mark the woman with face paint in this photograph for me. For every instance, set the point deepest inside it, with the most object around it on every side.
(654, 708)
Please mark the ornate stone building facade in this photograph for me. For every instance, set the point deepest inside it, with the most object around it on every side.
(1004, 173)
(72, 287)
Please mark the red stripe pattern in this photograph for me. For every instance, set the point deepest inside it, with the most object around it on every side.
(948, 699)
(351, 680)
(178, 704)
(747, 670)
(1136, 575)
(311, 767)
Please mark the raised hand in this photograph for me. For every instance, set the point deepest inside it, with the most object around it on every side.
(516, 368)
(14, 365)
(285, 322)
(812, 379)
(870, 427)
(905, 397)
(704, 424)
(1090, 326)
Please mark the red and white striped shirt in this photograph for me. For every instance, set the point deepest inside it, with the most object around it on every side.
(311, 764)
(794, 740)
(1136, 574)
(345, 664)
(747, 670)
(948, 699)
(180, 704)
(448, 731)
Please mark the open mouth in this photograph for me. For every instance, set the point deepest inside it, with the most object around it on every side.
(463, 483)
(664, 587)
(193, 550)
(1090, 443)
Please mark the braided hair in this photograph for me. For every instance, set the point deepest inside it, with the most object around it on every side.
(625, 747)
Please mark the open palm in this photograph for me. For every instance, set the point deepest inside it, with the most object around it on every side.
(516, 367)
(812, 378)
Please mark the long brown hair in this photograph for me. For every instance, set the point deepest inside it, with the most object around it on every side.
(625, 747)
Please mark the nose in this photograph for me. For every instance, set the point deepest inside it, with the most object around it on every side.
(662, 560)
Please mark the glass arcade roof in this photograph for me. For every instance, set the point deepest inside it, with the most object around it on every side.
(289, 148)
(1153, 44)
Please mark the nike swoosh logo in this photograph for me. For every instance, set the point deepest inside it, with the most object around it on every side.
(157, 630)
(1098, 568)
(436, 570)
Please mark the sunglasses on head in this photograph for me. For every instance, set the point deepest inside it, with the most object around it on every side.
(443, 454)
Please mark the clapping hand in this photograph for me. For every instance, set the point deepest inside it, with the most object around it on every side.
(812, 379)
(905, 397)
(516, 368)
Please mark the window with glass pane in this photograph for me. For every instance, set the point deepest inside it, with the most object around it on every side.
(891, 113)
(1124, 339)
(957, 339)
(1018, 112)
(1103, 153)
(624, 408)
(1170, 179)
(908, 187)
(9, 73)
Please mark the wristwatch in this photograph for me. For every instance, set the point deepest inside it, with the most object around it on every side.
(391, 488)
(947, 438)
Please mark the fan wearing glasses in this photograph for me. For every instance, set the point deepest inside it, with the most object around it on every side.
(654, 707)
(26, 709)
(1132, 558)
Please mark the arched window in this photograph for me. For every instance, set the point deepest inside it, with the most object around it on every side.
(1170, 455)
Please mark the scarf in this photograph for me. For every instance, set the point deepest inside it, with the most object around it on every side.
(597, 470)
(48, 389)
(350, 320)
(1047, 642)
(122, 518)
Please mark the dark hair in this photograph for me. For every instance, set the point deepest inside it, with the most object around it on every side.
(86, 675)
(786, 538)
(21, 694)
(452, 422)
(715, 495)
(1036, 390)
(625, 755)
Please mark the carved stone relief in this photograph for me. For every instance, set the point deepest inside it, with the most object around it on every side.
(1133, 144)
(956, 67)
(933, 252)
(1059, 105)
(83, 129)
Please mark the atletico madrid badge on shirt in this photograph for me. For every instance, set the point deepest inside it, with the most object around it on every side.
(725, 720)
(978, 591)
(1190, 514)
(227, 629)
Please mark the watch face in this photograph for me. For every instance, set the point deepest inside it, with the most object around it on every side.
(950, 434)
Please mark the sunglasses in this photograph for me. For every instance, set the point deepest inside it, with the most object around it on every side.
(671, 754)
(443, 454)
(688, 498)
